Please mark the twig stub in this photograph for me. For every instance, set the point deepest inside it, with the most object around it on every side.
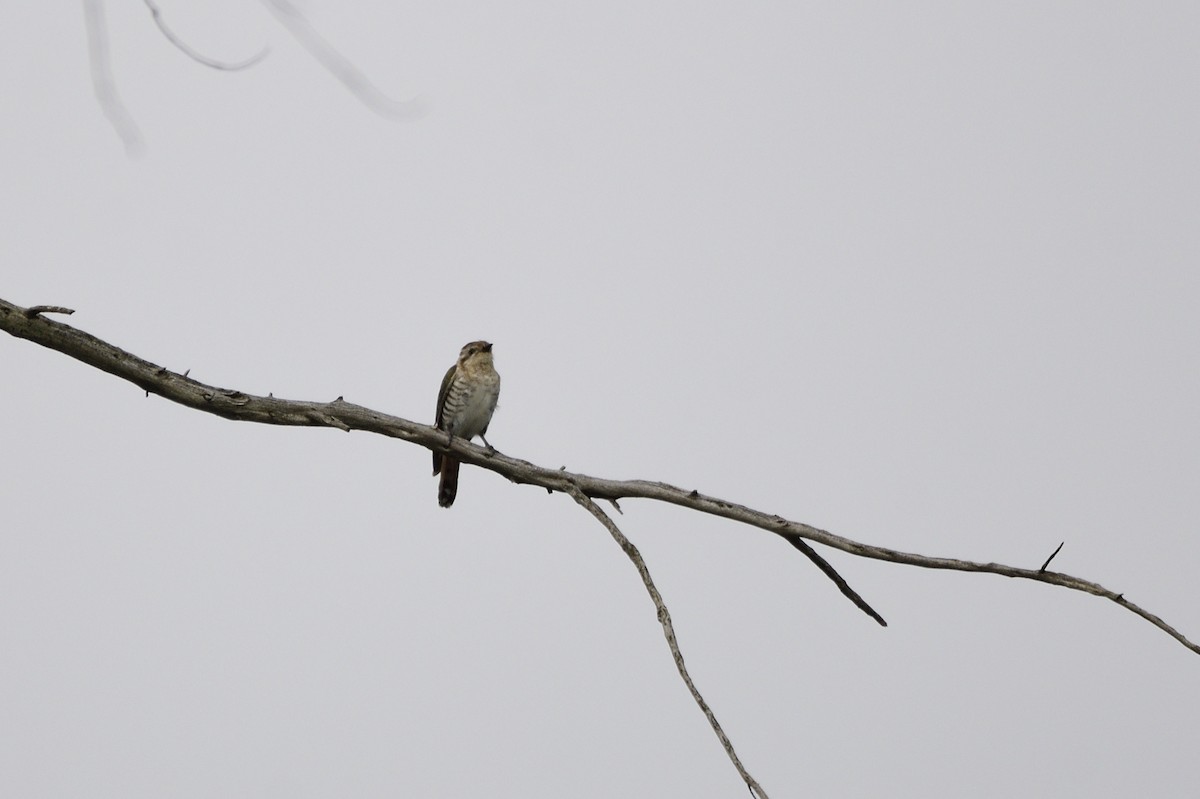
(41, 309)
(1052, 554)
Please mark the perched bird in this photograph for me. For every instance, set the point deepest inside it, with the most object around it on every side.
(465, 406)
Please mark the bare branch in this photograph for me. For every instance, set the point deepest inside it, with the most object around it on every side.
(340, 67)
(664, 618)
(227, 66)
(102, 80)
(269, 410)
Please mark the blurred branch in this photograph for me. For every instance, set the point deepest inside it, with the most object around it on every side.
(290, 17)
(664, 618)
(234, 404)
(339, 66)
(102, 79)
(183, 47)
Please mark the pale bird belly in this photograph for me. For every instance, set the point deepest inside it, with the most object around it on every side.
(475, 414)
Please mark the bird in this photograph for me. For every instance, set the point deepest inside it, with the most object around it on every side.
(465, 404)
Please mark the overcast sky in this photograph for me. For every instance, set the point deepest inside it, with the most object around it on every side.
(924, 275)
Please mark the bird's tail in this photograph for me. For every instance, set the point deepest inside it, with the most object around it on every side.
(448, 485)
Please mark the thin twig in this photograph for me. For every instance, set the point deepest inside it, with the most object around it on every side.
(271, 410)
(340, 67)
(102, 79)
(1052, 554)
(664, 618)
(228, 66)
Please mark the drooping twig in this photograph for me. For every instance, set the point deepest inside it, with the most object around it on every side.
(340, 67)
(233, 404)
(843, 586)
(102, 79)
(664, 618)
(228, 66)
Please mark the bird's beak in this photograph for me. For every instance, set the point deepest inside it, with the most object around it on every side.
(487, 347)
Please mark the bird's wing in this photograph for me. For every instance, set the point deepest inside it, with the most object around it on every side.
(446, 381)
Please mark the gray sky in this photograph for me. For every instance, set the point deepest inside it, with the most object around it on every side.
(924, 275)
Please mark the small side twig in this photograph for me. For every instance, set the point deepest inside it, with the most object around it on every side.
(184, 48)
(1052, 554)
(40, 309)
(830, 572)
(664, 618)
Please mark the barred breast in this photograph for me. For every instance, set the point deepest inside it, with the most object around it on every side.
(470, 403)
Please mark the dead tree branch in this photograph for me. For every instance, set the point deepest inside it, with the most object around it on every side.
(233, 404)
(340, 414)
(664, 618)
(28, 323)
